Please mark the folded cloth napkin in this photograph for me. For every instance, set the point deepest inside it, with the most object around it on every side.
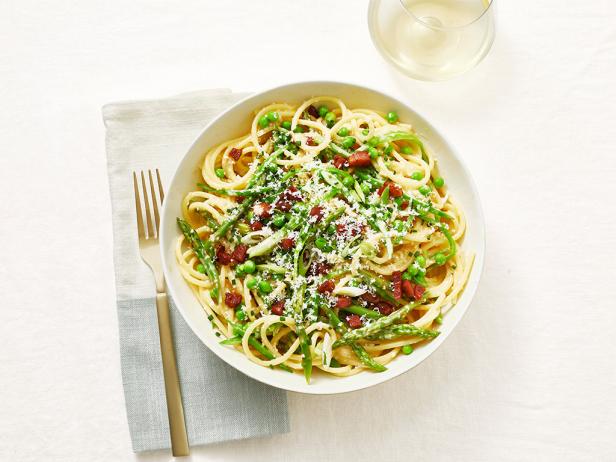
(220, 403)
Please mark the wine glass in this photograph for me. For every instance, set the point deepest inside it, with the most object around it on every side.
(432, 39)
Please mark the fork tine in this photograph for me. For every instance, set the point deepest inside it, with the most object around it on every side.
(154, 203)
(140, 230)
(161, 191)
(148, 215)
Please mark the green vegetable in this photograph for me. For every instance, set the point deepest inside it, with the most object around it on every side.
(348, 142)
(373, 152)
(378, 285)
(407, 349)
(439, 319)
(440, 259)
(425, 189)
(420, 260)
(330, 119)
(272, 116)
(263, 121)
(388, 150)
(279, 220)
(220, 173)
(417, 175)
(403, 330)
(248, 267)
(343, 131)
(201, 268)
(235, 340)
(406, 136)
(323, 110)
(251, 282)
(385, 196)
(392, 117)
(348, 181)
(214, 293)
(376, 327)
(265, 287)
(271, 268)
(321, 244)
(365, 132)
(374, 141)
(298, 129)
(406, 150)
(203, 250)
(359, 351)
(439, 182)
(361, 311)
(240, 315)
(286, 125)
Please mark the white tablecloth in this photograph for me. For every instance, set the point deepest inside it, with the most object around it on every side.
(530, 372)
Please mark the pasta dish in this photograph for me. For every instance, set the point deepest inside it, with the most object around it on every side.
(325, 238)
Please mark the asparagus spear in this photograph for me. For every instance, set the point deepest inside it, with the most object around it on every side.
(379, 286)
(403, 330)
(376, 327)
(203, 250)
(359, 351)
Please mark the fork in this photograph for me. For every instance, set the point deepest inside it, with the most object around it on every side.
(149, 248)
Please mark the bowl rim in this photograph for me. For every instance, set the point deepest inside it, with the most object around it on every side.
(478, 264)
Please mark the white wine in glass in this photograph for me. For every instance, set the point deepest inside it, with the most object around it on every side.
(432, 39)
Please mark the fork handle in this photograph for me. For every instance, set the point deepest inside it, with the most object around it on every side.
(175, 411)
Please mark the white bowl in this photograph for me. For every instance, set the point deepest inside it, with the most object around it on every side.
(233, 123)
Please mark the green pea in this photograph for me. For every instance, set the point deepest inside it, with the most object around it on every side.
(406, 150)
(201, 268)
(348, 181)
(272, 116)
(413, 270)
(365, 132)
(343, 131)
(417, 175)
(263, 121)
(240, 315)
(389, 149)
(439, 319)
(440, 259)
(425, 190)
(220, 173)
(330, 118)
(286, 125)
(279, 221)
(214, 293)
(249, 266)
(323, 110)
(439, 182)
(251, 282)
(265, 287)
(373, 152)
(331, 229)
(348, 142)
(299, 129)
(374, 141)
(421, 260)
(320, 243)
(392, 117)
(407, 349)
(366, 188)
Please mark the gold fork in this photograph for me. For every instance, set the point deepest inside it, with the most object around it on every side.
(150, 254)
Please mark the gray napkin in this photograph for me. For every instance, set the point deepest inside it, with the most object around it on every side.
(220, 403)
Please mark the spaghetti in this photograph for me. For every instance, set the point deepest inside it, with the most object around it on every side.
(324, 238)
